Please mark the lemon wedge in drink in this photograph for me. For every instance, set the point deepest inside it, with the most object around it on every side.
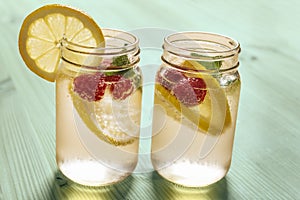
(212, 115)
(116, 127)
(43, 30)
(109, 105)
(115, 122)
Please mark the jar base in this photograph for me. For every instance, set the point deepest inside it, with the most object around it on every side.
(192, 174)
(91, 173)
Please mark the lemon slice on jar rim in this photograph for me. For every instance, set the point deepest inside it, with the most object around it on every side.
(43, 30)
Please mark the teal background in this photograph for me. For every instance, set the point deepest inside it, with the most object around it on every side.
(266, 157)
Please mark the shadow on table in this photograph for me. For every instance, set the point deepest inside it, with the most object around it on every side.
(164, 189)
(63, 188)
(152, 186)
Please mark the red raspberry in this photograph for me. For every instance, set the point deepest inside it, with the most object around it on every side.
(113, 78)
(90, 87)
(190, 91)
(121, 87)
(169, 77)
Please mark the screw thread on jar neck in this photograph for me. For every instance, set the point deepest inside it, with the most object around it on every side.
(117, 44)
(214, 52)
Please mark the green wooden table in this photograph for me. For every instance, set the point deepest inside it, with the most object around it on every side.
(266, 157)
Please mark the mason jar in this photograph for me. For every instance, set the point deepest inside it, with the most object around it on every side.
(98, 110)
(196, 99)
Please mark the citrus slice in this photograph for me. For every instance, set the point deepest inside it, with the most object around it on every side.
(115, 122)
(119, 120)
(109, 105)
(43, 30)
(212, 115)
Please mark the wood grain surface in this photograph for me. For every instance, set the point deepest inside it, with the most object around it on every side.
(266, 157)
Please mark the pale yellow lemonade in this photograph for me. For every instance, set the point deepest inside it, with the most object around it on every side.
(196, 102)
(97, 141)
(98, 97)
(187, 155)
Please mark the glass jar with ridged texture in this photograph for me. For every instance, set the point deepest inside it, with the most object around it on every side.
(197, 93)
(98, 110)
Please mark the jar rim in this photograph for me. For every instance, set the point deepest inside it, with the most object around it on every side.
(121, 48)
(230, 46)
(131, 45)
